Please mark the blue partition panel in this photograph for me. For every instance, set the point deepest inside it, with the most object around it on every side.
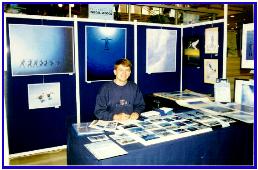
(88, 91)
(157, 82)
(193, 76)
(37, 128)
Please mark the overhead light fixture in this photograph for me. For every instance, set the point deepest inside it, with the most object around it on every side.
(60, 5)
(232, 16)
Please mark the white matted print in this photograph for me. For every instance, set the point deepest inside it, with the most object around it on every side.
(44, 95)
(211, 40)
(160, 50)
(247, 60)
(210, 70)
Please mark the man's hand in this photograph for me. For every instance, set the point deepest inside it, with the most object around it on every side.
(121, 117)
(134, 116)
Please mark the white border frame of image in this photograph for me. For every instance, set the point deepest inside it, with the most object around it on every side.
(40, 84)
(147, 54)
(86, 52)
(73, 46)
(238, 88)
(249, 64)
(215, 31)
(215, 62)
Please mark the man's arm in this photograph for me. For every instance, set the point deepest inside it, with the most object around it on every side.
(139, 104)
(101, 108)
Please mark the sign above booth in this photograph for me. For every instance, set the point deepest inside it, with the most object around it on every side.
(101, 11)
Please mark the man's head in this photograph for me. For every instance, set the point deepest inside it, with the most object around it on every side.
(122, 70)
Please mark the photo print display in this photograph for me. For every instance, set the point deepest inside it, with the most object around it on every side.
(212, 40)
(191, 51)
(244, 92)
(44, 95)
(247, 60)
(41, 49)
(210, 70)
(161, 50)
(103, 47)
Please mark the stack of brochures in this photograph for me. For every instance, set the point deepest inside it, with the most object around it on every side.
(84, 129)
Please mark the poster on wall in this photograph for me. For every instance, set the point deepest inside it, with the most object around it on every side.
(103, 47)
(41, 49)
(244, 92)
(161, 50)
(210, 70)
(211, 40)
(247, 60)
(191, 51)
(44, 95)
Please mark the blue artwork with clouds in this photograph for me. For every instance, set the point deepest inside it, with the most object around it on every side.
(161, 50)
(104, 46)
(247, 95)
(41, 49)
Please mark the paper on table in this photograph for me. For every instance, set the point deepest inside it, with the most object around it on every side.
(105, 149)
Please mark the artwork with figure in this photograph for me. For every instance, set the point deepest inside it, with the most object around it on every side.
(247, 95)
(41, 49)
(210, 70)
(211, 40)
(160, 50)
(103, 47)
(247, 59)
(44, 95)
(191, 51)
(249, 45)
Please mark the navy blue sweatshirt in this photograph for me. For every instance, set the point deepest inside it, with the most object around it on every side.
(113, 99)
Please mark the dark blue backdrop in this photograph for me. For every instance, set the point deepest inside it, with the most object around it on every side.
(193, 77)
(42, 128)
(38, 128)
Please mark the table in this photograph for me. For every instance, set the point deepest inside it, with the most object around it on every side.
(224, 146)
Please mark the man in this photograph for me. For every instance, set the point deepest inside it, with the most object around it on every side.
(119, 99)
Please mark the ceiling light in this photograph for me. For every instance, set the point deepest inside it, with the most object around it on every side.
(60, 5)
(232, 16)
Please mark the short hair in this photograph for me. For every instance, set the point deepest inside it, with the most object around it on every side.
(125, 62)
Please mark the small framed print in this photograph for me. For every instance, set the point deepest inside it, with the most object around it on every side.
(211, 40)
(210, 70)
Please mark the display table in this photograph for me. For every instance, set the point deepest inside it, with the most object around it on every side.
(224, 146)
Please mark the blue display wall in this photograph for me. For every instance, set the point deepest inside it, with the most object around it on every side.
(193, 76)
(157, 82)
(47, 127)
(37, 128)
(88, 91)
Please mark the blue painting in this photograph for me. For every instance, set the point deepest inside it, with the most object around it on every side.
(247, 95)
(41, 49)
(161, 50)
(104, 46)
(249, 45)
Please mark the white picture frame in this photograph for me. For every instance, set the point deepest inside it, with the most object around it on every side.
(212, 40)
(247, 60)
(44, 95)
(210, 70)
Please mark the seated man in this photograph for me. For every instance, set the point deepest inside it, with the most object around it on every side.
(119, 99)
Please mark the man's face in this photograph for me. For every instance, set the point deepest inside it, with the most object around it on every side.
(122, 73)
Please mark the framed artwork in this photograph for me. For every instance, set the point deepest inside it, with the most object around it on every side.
(191, 51)
(41, 49)
(247, 60)
(44, 95)
(211, 40)
(160, 50)
(210, 70)
(244, 92)
(103, 47)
